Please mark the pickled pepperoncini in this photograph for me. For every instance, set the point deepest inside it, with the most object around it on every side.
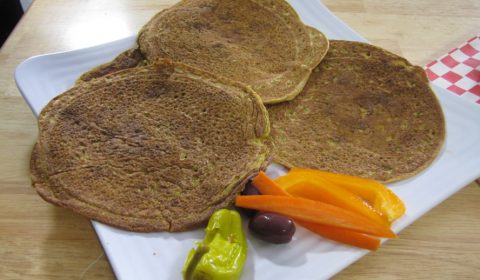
(222, 254)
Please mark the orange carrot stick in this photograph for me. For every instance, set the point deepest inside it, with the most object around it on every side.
(325, 191)
(378, 195)
(320, 190)
(265, 185)
(368, 190)
(341, 235)
(269, 187)
(313, 211)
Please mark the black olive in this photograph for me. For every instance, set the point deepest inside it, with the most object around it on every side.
(249, 190)
(271, 227)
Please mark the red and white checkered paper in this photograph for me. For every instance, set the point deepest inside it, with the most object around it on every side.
(459, 70)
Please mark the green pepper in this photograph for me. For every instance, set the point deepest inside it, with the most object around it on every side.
(222, 254)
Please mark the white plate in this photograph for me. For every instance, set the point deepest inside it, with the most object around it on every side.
(161, 255)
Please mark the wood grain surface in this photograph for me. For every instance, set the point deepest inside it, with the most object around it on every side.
(40, 241)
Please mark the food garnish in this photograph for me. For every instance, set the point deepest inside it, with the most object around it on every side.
(272, 227)
(344, 236)
(320, 189)
(222, 254)
(314, 211)
(375, 193)
(303, 183)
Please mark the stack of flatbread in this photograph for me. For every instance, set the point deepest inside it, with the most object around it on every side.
(170, 130)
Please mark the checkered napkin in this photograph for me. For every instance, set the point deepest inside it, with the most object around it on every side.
(459, 70)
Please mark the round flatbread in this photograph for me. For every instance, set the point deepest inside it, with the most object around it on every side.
(127, 59)
(365, 117)
(263, 44)
(352, 49)
(152, 148)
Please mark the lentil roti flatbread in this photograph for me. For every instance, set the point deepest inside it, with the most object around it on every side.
(352, 49)
(152, 148)
(263, 44)
(365, 117)
(127, 59)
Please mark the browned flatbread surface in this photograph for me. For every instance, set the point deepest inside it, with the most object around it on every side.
(375, 118)
(263, 44)
(153, 148)
(127, 59)
(352, 49)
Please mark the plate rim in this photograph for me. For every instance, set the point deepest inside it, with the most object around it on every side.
(438, 91)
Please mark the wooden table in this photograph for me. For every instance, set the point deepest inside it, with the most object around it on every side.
(40, 241)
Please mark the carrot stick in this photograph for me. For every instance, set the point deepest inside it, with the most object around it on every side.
(378, 195)
(320, 190)
(313, 211)
(366, 188)
(265, 185)
(341, 235)
(327, 192)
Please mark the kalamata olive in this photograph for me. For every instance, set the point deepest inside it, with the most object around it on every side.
(249, 190)
(271, 227)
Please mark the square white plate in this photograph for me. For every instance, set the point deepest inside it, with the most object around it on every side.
(161, 255)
